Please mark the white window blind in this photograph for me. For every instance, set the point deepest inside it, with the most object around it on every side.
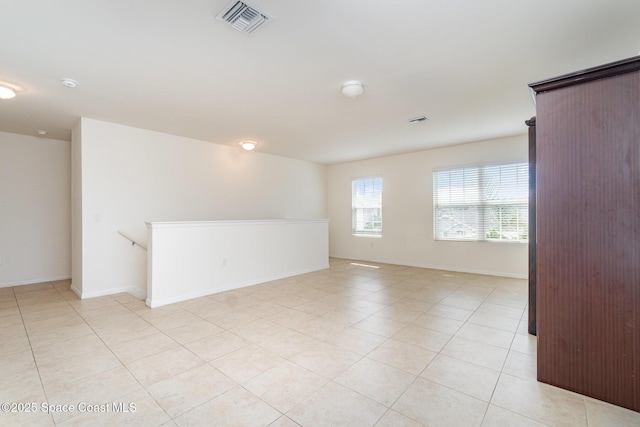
(366, 206)
(487, 202)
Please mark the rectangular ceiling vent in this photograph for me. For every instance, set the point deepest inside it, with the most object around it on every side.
(243, 17)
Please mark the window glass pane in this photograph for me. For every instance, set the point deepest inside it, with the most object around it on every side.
(366, 202)
(488, 202)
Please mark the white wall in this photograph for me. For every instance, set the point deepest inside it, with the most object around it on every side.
(131, 176)
(35, 206)
(407, 211)
(216, 256)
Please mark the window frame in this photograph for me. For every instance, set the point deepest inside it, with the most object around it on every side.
(484, 206)
(365, 204)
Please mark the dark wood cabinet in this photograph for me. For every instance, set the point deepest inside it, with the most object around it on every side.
(587, 232)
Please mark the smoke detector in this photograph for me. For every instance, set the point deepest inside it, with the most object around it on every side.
(243, 16)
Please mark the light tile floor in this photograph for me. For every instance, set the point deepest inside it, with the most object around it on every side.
(348, 346)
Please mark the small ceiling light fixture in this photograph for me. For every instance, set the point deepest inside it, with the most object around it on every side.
(352, 88)
(7, 93)
(248, 145)
(69, 82)
(418, 119)
(41, 132)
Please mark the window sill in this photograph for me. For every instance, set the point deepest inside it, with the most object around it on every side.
(510, 242)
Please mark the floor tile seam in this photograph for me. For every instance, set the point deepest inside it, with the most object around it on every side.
(518, 413)
(436, 330)
(24, 326)
(479, 311)
(471, 339)
(495, 386)
(260, 344)
(545, 386)
(484, 342)
(83, 377)
(33, 284)
(48, 306)
(85, 319)
(522, 352)
(315, 390)
(248, 379)
(404, 390)
(46, 330)
(122, 397)
(437, 352)
(311, 336)
(188, 311)
(82, 335)
(77, 413)
(98, 333)
(454, 390)
(397, 411)
(395, 367)
(122, 363)
(486, 410)
(322, 375)
(136, 339)
(452, 306)
(371, 332)
(513, 297)
(339, 385)
(472, 322)
(145, 387)
(42, 387)
(236, 385)
(506, 317)
(474, 312)
(45, 364)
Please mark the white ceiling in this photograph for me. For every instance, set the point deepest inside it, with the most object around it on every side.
(170, 66)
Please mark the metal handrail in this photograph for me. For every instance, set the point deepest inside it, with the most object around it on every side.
(133, 242)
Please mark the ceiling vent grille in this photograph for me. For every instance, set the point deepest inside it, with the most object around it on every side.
(243, 17)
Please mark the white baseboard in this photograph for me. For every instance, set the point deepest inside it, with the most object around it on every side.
(445, 268)
(33, 281)
(76, 291)
(136, 292)
(470, 270)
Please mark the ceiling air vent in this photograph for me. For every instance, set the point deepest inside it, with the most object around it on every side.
(418, 119)
(243, 17)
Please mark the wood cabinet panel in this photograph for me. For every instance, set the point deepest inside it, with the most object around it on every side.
(588, 236)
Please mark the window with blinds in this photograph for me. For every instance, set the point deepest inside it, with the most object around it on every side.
(366, 206)
(486, 202)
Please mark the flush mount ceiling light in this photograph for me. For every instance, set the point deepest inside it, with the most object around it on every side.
(42, 132)
(7, 92)
(352, 88)
(248, 145)
(69, 82)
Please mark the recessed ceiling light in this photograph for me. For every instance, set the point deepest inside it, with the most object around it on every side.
(7, 93)
(69, 82)
(41, 132)
(248, 145)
